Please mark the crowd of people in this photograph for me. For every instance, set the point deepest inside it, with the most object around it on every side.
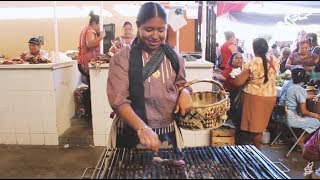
(255, 83)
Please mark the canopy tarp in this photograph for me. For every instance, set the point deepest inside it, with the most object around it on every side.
(303, 4)
(273, 19)
(233, 10)
(229, 6)
(237, 6)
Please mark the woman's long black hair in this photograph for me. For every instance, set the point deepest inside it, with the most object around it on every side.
(260, 48)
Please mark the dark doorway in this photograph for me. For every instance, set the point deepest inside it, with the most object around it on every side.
(210, 54)
(110, 35)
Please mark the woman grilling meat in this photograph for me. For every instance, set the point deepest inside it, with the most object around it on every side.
(143, 86)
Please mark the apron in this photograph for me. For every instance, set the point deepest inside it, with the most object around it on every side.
(123, 136)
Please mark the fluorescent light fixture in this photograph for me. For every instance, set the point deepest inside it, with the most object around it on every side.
(85, 10)
(129, 10)
(183, 3)
(47, 12)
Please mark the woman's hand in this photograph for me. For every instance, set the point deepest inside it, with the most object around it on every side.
(219, 77)
(184, 103)
(241, 79)
(102, 34)
(149, 139)
(308, 68)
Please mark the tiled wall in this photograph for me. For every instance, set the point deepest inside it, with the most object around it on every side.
(101, 122)
(101, 108)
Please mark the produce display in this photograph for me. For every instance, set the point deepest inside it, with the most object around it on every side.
(73, 55)
(100, 59)
(7, 62)
(279, 81)
(32, 60)
(286, 75)
(38, 60)
(282, 77)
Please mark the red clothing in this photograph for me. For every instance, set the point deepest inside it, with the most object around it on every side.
(86, 53)
(227, 84)
(312, 144)
(225, 54)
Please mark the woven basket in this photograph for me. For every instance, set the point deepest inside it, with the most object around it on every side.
(209, 109)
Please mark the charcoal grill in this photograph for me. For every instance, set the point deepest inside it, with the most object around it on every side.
(205, 162)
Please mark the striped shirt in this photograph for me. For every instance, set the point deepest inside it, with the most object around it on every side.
(160, 89)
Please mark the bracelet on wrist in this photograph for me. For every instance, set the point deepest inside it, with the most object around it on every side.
(144, 128)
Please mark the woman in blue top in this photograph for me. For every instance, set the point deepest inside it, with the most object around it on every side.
(295, 102)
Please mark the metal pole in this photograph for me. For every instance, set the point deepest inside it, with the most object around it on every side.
(101, 26)
(203, 28)
(211, 32)
(214, 31)
(56, 33)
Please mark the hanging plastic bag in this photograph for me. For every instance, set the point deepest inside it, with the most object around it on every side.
(82, 102)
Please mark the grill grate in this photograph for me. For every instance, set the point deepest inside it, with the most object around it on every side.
(226, 162)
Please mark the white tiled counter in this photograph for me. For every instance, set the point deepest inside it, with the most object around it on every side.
(101, 122)
(37, 102)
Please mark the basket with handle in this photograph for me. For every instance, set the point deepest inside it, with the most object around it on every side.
(209, 108)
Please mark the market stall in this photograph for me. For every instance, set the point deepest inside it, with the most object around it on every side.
(37, 102)
(101, 122)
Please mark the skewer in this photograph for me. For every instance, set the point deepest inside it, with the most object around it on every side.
(114, 45)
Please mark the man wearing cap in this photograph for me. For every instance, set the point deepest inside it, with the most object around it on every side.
(34, 50)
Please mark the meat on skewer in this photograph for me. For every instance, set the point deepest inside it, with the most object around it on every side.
(169, 162)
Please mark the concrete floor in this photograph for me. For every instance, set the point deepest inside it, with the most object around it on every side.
(294, 162)
(43, 162)
(76, 152)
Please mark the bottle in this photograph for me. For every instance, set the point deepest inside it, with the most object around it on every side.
(265, 138)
